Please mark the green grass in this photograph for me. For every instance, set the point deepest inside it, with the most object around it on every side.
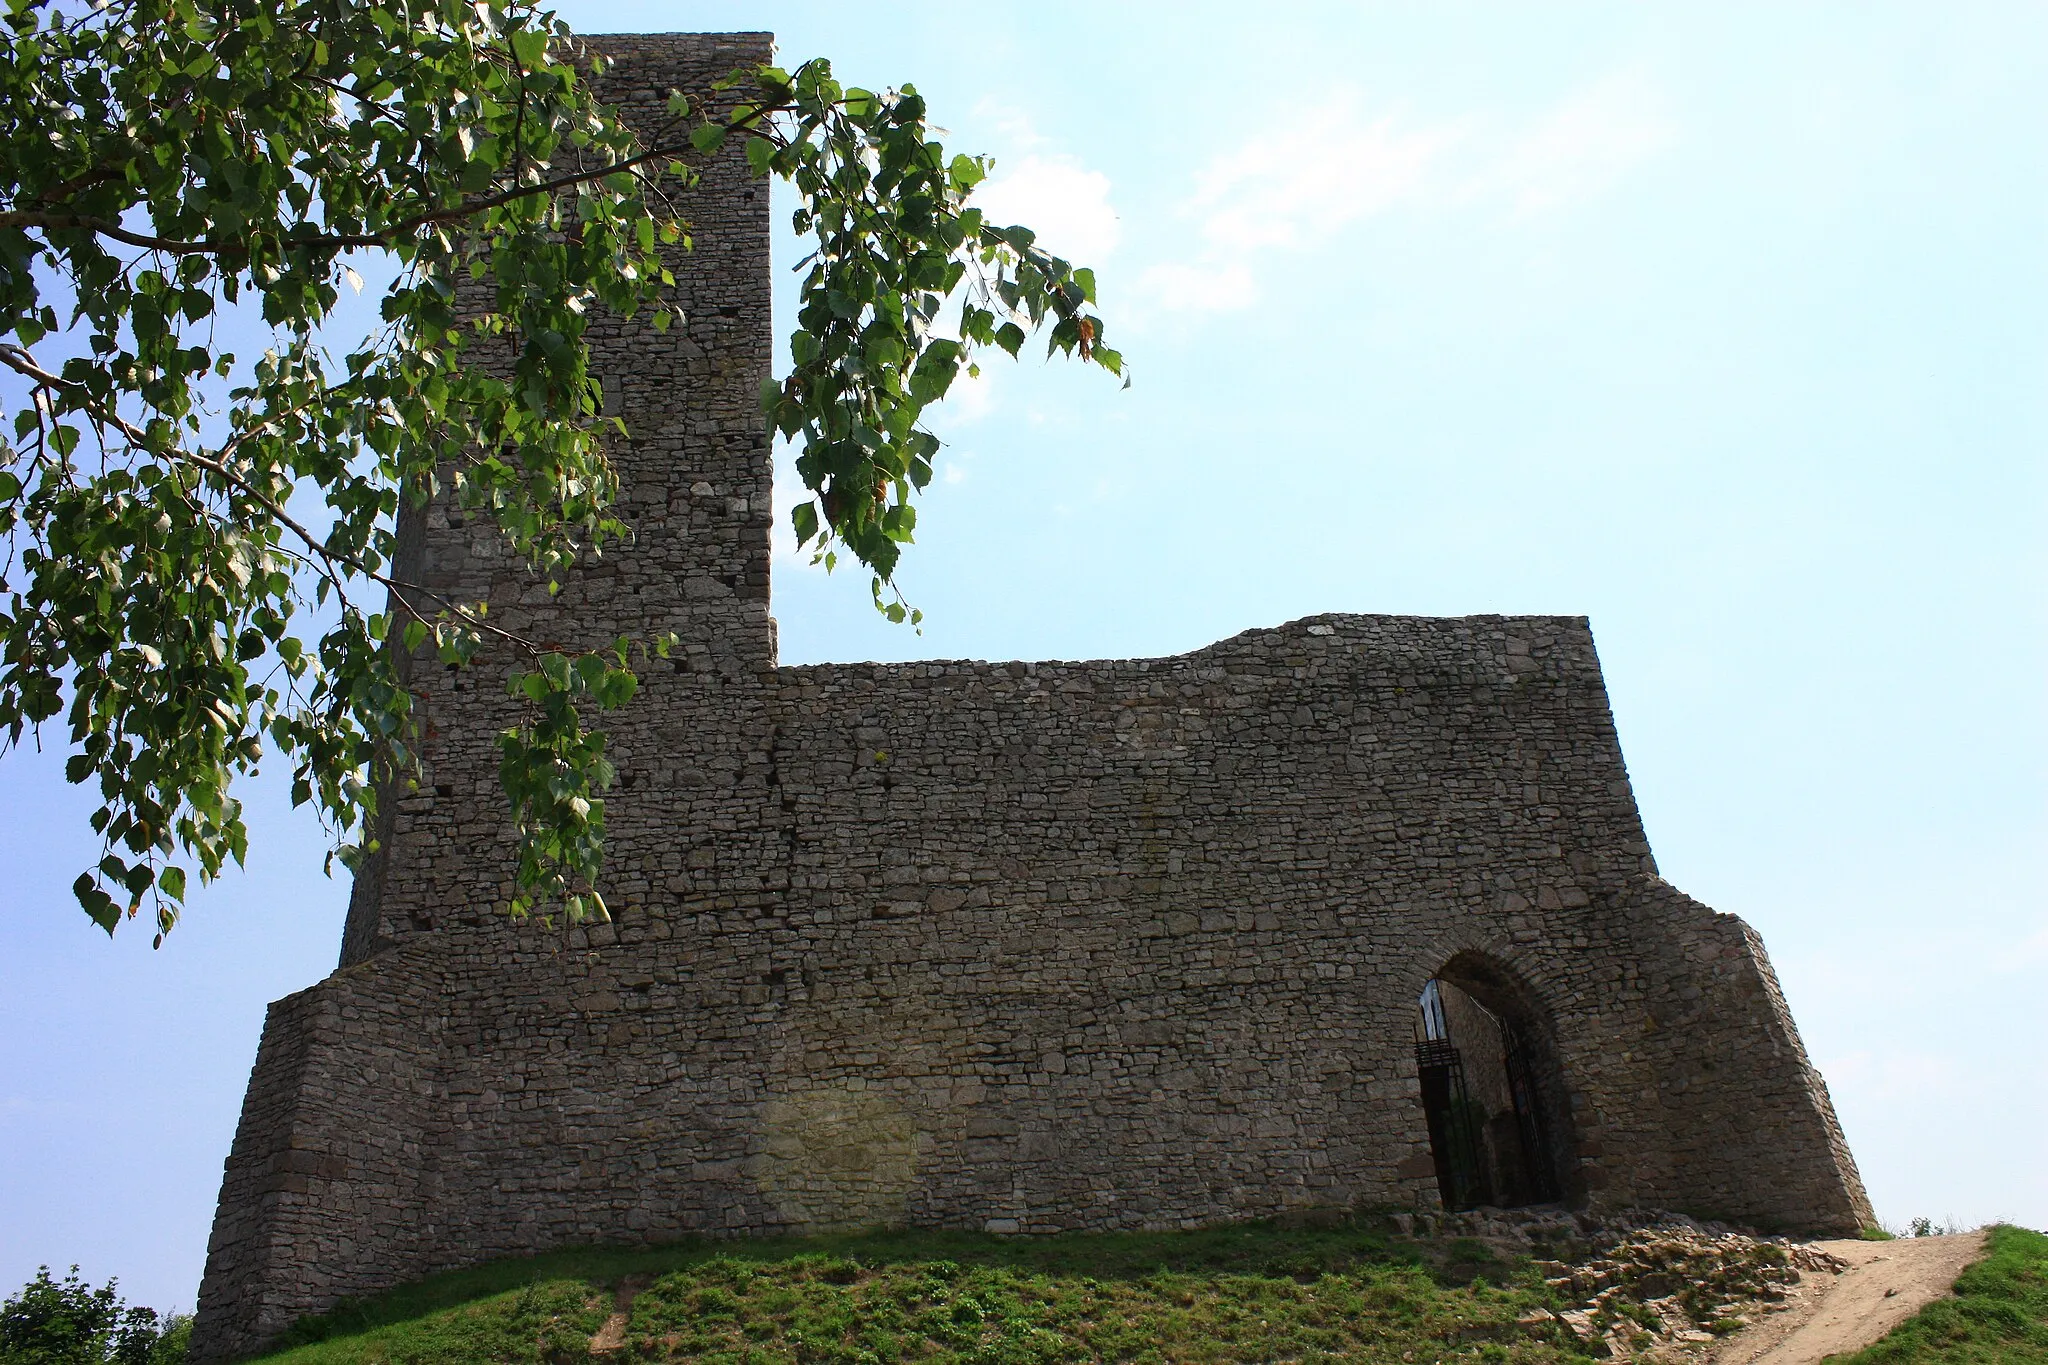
(1999, 1315)
(1243, 1293)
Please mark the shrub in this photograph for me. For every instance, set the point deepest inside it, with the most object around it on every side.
(68, 1322)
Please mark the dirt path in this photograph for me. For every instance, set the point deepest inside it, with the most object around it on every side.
(1886, 1283)
(612, 1335)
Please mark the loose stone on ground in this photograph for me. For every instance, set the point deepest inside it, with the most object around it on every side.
(1646, 1285)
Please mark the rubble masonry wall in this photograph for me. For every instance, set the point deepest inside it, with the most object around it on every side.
(1017, 946)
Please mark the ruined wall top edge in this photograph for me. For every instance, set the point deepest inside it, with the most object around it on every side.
(671, 39)
(1412, 638)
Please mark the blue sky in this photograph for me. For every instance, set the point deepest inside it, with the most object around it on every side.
(1726, 327)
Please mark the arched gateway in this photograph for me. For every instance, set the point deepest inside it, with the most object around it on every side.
(1494, 1098)
(1015, 946)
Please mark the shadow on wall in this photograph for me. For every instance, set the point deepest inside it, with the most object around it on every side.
(1498, 1110)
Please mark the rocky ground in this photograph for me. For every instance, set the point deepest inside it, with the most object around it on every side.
(1652, 1286)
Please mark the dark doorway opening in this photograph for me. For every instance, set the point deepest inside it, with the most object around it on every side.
(1491, 1095)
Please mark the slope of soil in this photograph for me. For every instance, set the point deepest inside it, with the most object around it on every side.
(1882, 1284)
(1998, 1314)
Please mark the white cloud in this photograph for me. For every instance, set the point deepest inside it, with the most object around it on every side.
(1035, 183)
(1290, 188)
(1202, 286)
(2031, 952)
(1011, 123)
(1581, 147)
(971, 398)
(1297, 186)
(1320, 173)
(1066, 204)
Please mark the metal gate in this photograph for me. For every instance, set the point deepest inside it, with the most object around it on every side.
(1453, 1134)
(1539, 1162)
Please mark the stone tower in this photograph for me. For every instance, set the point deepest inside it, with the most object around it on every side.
(1018, 946)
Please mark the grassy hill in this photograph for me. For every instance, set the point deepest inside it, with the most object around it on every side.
(1248, 1292)
(1251, 1292)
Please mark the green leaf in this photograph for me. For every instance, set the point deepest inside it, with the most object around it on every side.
(804, 520)
(529, 46)
(97, 904)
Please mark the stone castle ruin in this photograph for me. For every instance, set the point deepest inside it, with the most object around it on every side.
(1353, 912)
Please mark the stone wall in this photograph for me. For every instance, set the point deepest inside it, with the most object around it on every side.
(333, 1158)
(695, 480)
(1023, 946)
(1755, 1134)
